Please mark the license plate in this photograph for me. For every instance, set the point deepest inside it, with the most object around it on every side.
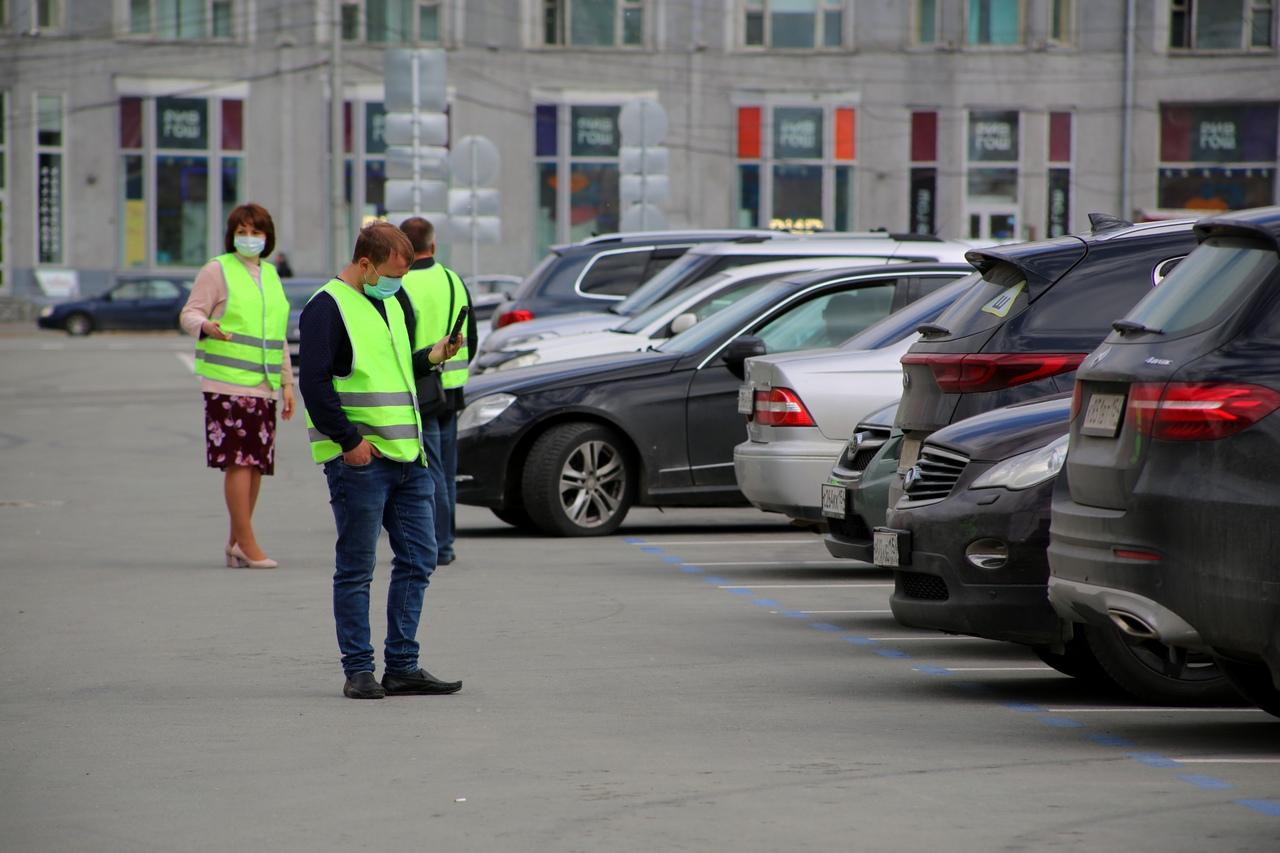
(910, 453)
(746, 400)
(1102, 418)
(887, 547)
(834, 501)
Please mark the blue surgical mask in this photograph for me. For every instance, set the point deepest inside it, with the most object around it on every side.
(248, 246)
(385, 287)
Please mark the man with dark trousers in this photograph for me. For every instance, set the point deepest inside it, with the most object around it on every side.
(436, 295)
(358, 383)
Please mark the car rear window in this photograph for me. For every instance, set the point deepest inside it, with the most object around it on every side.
(1216, 277)
(615, 274)
(656, 288)
(999, 295)
(898, 325)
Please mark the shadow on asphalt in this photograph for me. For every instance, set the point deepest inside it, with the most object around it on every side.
(502, 531)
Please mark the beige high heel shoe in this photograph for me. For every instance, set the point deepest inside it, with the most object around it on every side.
(233, 562)
(245, 563)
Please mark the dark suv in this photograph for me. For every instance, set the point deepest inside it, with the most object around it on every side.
(1164, 521)
(596, 272)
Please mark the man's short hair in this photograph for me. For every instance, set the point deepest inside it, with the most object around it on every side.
(421, 233)
(380, 240)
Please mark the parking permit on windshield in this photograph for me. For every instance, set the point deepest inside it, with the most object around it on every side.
(1001, 305)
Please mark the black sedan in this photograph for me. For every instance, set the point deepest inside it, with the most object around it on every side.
(141, 303)
(569, 447)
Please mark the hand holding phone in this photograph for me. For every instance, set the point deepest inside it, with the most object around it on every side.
(461, 323)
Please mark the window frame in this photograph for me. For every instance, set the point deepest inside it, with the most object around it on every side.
(1250, 7)
(6, 209)
(917, 18)
(986, 206)
(1051, 166)
(565, 26)
(844, 7)
(60, 13)
(240, 15)
(38, 150)
(362, 24)
(1020, 44)
(1069, 23)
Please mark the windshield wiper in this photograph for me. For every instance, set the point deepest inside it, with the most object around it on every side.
(1124, 327)
(932, 329)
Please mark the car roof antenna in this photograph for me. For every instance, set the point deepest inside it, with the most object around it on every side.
(1106, 222)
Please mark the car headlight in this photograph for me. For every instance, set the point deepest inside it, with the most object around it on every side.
(522, 360)
(484, 410)
(46, 311)
(1026, 469)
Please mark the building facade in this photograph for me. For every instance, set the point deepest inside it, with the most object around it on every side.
(130, 127)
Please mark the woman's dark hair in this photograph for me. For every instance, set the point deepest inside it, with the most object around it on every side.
(255, 216)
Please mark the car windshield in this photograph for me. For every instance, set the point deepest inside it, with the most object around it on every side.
(1218, 273)
(531, 281)
(719, 326)
(902, 323)
(660, 285)
(660, 309)
(712, 296)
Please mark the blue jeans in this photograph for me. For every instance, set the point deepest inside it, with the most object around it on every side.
(397, 496)
(440, 438)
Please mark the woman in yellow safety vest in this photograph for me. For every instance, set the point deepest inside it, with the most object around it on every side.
(239, 316)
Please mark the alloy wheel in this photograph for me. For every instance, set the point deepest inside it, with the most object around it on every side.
(592, 484)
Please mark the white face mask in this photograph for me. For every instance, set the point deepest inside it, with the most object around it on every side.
(248, 246)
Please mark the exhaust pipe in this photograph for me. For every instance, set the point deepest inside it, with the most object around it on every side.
(1132, 625)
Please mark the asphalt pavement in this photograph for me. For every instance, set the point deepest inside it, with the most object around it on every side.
(706, 680)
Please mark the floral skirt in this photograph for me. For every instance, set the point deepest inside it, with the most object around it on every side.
(240, 431)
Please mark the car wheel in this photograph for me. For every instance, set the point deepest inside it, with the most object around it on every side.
(1253, 680)
(1076, 660)
(1150, 671)
(515, 516)
(79, 324)
(577, 481)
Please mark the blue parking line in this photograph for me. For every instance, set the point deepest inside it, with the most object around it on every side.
(651, 549)
(930, 669)
(824, 626)
(766, 602)
(861, 641)
(892, 653)
(1024, 707)
(743, 591)
(1267, 807)
(1061, 722)
(1153, 759)
(1208, 783)
(1111, 740)
(794, 614)
(633, 540)
(672, 559)
(716, 580)
(691, 570)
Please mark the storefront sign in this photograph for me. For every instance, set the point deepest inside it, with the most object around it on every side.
(923, 201)
(797, 133)
(1218, 134)
(594, 132)
(375, 126)
(993, 136)
(182, 123)
(798, 226)
(49, 207)
(1059, 202)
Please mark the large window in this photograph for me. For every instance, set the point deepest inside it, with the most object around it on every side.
(795, 167)
(182, 172)
(4, 185)
(993, 22)
(793, 23)
(924, 24)
(1221, 24)
(1061, 21)
(593, 23)
(1217, 156)
(366, 165)
(392, 21)
(576, 149)
(1058, 220)
(48, 14)
(184, 19)
(922, 203)
(50, 167)
(991, 179)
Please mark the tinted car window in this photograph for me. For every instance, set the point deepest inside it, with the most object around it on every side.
(1214, 276)
(616, 274)
(658, 263)
(640, 321)
(656, 287)
(534, 279)
(162, 289)
(1085, 308)
(826, 320)
(719, 326)
(1002, 293)
(129, 290)
(897, 326)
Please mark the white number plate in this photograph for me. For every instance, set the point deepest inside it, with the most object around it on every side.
(834, 501)
(910, 453)
(746, 399)
(884, 548)
(1102, 418)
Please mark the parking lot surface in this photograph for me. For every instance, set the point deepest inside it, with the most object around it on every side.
(705, 680)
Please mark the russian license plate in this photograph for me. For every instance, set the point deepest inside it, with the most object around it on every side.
(746, 400)
(887, 546)
(1102, 418)
(910, 453)
(834, 501)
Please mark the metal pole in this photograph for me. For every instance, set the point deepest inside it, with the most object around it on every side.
(644, 172)
(475, 213)
(1126, 136)
(417, 162)
(337, 198)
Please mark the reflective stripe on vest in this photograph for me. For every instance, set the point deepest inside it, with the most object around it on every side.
(377, 396)
(256, 316)
(429, 293)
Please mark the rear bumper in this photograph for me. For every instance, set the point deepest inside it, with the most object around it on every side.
(1098, 605)
(786, 476)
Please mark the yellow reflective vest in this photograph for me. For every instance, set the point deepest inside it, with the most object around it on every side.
(257, 318)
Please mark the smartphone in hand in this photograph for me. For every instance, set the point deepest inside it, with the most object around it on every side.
(459, 325)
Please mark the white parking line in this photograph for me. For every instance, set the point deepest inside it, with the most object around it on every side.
(1222, 759)
(1155, 710)
(812, 612)
(807, 586)
(1001, 669)
(794, 541)
(781, 563)
(940, 638)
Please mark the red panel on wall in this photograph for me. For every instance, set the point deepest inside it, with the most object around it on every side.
(1060, 137)
(924, 137)
(749, 133)
(232, 125)
(131, 122)
(845, 135)
(1175, 134)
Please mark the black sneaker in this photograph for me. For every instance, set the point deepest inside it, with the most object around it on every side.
(446, 561)
(362, 685)
(420, 683)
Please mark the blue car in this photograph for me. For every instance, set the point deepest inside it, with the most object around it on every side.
(135, 303)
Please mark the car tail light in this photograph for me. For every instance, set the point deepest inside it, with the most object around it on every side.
(970, 372)
(781, 407)
(1198, 411)
(520, 315)
(1077, 396)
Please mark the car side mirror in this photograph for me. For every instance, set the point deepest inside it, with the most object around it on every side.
(741, 349)
(683, 323)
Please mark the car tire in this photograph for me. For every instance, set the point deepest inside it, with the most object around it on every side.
(1150, 671)
(78, 324)
(578, 481)
(515, 516)
(1076, 660)
(1254, 682)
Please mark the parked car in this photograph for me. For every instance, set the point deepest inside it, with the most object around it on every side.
(142, 302)
(679, 311)
(1164, 523)
(856, 492)
(801, 406)
(1021, 332)
(489, 290)
(570, 446)
(595, 273)
(706, 260)
(299, 292)
(973, 526)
